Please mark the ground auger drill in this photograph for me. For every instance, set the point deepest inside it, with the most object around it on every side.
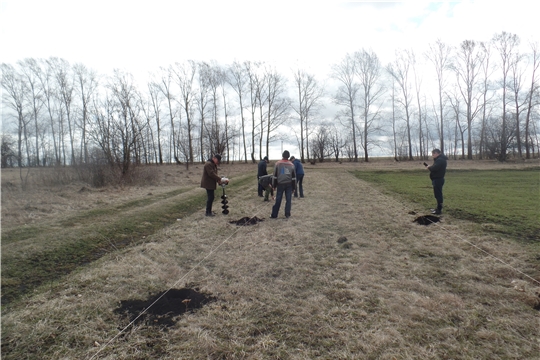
(224, 201)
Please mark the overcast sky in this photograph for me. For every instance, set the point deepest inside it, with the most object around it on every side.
(139, 36)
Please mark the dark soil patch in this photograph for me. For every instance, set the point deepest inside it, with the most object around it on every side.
(246, 221)
(342, 239)
(426, 219)
(163, 307)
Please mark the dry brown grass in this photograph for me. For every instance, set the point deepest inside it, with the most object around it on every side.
(286, 289)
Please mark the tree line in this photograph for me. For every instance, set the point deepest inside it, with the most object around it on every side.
(476, 100)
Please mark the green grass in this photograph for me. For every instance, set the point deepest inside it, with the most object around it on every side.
(509, 199)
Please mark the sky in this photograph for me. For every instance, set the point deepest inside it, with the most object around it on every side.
(141, 36)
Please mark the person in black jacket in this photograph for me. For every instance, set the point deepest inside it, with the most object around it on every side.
(261, 171)
(436, 174)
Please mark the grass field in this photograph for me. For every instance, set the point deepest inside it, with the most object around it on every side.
(506, 199)
(348, 276)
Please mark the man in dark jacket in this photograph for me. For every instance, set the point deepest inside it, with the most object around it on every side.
(436, 174)
(209, 179)
(261, 171)
(285, 181)
(299, 169)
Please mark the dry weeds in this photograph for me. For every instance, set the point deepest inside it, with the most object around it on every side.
(287, 289)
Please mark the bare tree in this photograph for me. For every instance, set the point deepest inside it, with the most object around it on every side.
(399, 70)
(347, 93)
(417, 86)
(394, 127)
(223, 79)
(321, 143)
(214, 78)
(50, 94)
(7, 151)
(506, 44)
(439, 55)
(31, 71)
(237, 80)
(368, 69)
(156, 101)
(516, 95)
(126, 121)
(255, 89)
(459, 129)
(13, 84)
(88, 83)
(65, 83)
(309, 102)
(277, 103)
(203, 104)
(165, 88)
(531, 102)
(487, 71)
(185, 77)
(467, 68)
(337, 143)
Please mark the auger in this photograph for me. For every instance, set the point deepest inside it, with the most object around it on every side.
(224, 201)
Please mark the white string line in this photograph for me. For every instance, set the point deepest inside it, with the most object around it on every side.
(171, 287)
(487, 253)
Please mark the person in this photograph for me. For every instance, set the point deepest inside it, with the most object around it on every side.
(299, 169)
(284, 180)
(261, 171)
(209, 179)
(436, 173)
(266, 182)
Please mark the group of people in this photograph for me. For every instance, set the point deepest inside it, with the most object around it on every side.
(287, 179)
(288, 176)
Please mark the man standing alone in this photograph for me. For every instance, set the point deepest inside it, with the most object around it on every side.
(436, 174)
(284, 180)
(261, 171)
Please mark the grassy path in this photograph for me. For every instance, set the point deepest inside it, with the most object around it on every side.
(287, 288)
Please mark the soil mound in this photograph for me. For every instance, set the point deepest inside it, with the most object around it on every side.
(168, 304)
(246, 221)
(426, 219)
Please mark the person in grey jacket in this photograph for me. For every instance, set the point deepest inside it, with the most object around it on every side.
(436, 173)
(284, 181)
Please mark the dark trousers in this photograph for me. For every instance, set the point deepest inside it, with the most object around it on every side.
(437, 191)
(209, 200)
(299, 188)
(287, 189)
(260, 189)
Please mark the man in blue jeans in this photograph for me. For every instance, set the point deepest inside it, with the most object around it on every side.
(299, 169)
(436, 174)
(284, 181)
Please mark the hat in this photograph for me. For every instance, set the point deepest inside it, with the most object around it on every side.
(286, 154)
(265, 158)
(292, 158)
(218, 157)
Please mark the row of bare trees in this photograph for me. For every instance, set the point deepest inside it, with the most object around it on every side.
(479, 99)
(485, 105)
